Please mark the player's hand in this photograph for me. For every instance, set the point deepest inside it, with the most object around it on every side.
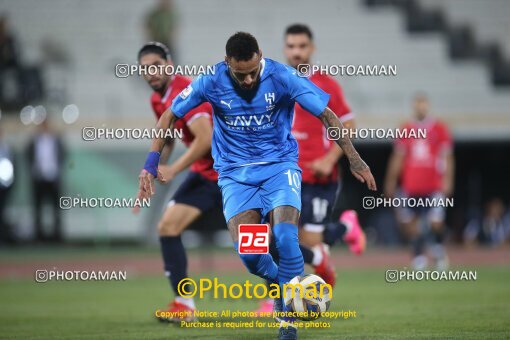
(136, 209)
(321, 167)
(146, 186)
(362, 172)
(166, 173)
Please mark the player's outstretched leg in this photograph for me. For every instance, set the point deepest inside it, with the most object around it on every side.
(285, 230)
(323, 265)
(175, 219)
(418, 240)
(261, 265)
(438, 250)
(348, 229)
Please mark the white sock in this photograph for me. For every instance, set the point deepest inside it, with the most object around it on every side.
(186, 301)
(317, 256)
(348, 226)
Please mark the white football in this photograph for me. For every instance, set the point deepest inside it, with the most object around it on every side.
(308, 293)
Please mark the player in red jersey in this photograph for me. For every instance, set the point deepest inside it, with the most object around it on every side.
(426, 170)
(318, 156)
(199, 192)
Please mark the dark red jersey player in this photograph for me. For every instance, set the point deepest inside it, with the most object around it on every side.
(198, 193)
(204, 165)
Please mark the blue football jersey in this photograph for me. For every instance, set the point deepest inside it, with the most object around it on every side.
(252, 126)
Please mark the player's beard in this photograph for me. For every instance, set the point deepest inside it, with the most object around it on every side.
(249, 93)
(244, 90)
(163, 87)
(253, 86)
(420, 115)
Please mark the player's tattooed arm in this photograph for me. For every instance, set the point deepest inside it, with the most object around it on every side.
(359, 168)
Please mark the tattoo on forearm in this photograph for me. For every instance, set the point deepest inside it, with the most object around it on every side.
(329, 119)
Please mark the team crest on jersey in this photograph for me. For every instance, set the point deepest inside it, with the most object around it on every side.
(269, 96)
(185, 93)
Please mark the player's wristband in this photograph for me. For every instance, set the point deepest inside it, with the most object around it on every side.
(151, 164)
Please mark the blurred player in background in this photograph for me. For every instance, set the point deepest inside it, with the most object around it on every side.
(254, 151)
(425, 167)
(199, 192)
(318, 156)
(318, 159)
(46, 155)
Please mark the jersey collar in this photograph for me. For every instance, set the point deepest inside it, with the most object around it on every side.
(263, 63)
(168, 91)
(426, 123)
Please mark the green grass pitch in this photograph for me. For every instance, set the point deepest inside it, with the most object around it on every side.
(124, 310)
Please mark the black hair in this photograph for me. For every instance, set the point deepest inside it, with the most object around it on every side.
(299, 29)
(154, 47)
(241, 46)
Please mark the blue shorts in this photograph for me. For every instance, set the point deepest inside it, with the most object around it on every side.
(261, 187)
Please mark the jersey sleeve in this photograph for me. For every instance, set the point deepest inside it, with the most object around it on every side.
(337, 102)
(446, 139)
(189, 98)
(203, 110)
(306, 93)
(157, 107)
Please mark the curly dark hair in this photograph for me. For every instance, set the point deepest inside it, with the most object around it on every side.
(241, 46)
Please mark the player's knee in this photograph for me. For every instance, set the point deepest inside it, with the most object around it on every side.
(286, 236)
(311, 238)
(169, 228)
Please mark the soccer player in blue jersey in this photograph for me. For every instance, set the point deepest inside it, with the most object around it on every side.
(254, 151)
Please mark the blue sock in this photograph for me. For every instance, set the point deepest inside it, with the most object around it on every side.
(261, 265)
(174, 258)
(291, 260)
(307, 252)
